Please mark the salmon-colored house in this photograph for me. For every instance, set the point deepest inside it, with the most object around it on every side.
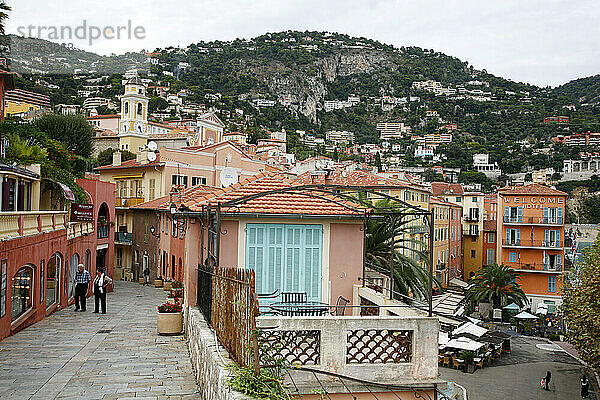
(531, 240)
(294, 243)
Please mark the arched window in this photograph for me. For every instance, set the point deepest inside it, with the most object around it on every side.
(72, 271)
(180, 270)
(52, 279)
(22, 292)
(139, 109)
(126, 109)
(88, 259)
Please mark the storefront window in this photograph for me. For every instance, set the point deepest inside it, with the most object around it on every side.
(3, 283)
(52, 280)
(21, 292)
(72, 270)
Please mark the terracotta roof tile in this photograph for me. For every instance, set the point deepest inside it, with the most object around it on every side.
(275, 203)
(442, 188)
(353, 178)
(533, 188)
(131, 164)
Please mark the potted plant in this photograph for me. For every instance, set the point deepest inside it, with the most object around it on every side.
(177, 285)
(158, 282)
(169, 320)
(468, 356)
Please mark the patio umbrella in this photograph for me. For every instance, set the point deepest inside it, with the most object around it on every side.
(465, 344)
(512, 307)
(525, 315)
(443, 338)
(471, 328)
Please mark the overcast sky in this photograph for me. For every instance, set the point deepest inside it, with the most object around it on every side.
(545, 42)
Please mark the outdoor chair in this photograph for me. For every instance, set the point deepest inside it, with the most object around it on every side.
(340, 307)
(479, 364)
(455, 363)
(447, 361)
(294, 297)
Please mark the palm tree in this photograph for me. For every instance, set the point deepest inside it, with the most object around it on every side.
(4, 8)
(498, 285)
(411, 279)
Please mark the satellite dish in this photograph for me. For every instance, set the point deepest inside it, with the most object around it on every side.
(228, 176)
(152, 146)
(151, 156)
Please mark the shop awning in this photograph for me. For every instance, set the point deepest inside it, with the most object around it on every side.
(464, 344)
(511, 307)
(129, 176)
(470, 328)
(525, 315)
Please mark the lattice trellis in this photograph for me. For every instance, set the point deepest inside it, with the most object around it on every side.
(296, 347)
(368, 311)
(378, 346)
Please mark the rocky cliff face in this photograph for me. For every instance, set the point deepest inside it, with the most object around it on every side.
(306, 86)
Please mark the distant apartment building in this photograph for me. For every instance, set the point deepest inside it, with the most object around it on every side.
(263, 103)
(581, 169)
(542, 176)
(236, 137)
(433, 139)
(481, 163)
(579, 139)
(95, 102)
(24, 96)
(531, 240)
(489, 242)
(423, 152)
(447, 246)
(393, 130)
(556, 120)
(340, 137)
(490, 206)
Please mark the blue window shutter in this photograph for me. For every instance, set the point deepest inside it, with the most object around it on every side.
(558, 238)
(520, 214)
(545, 214)
(547, 236)
(560, 215)
(506, 212)
(518, 235)
(559, 262)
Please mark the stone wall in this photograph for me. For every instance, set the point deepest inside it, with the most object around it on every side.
(209, 359)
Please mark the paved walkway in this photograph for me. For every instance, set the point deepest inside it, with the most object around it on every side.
(75, 355)
(517, 376)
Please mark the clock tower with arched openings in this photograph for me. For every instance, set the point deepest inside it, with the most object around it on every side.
(133, 126)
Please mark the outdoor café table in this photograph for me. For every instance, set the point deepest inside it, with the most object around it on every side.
(308, 308)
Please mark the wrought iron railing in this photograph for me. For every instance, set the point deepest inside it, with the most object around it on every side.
(123, 237)
(533, 220)
(552, 244)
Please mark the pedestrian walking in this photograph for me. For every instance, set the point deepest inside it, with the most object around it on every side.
(82, 280)
(547, 379)
(146, 276)
(585, 387)
(101, 281)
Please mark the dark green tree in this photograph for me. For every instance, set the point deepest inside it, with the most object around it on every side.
(498, 285)
(72, 130)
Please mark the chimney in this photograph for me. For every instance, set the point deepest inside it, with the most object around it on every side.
(116, 159)
(142, 157)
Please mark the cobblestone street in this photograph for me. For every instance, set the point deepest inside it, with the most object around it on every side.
(75, 355)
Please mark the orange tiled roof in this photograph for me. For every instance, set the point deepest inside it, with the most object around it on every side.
(489, 225)
(531, 189)
(131, 164)
(442, 202)
(442, 188)
(353, 178)
(275, 204)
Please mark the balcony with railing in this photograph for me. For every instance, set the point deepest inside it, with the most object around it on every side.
(123, 238)
(128, 201)
(541, 244)
(536, 267)
(25, 223)
(473, 231)
(520, 220)
(103, 231)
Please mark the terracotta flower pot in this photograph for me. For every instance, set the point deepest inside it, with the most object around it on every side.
(169, 323)
(167, 285)
(158, 283)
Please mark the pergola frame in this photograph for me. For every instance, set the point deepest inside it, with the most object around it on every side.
(211, 214)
